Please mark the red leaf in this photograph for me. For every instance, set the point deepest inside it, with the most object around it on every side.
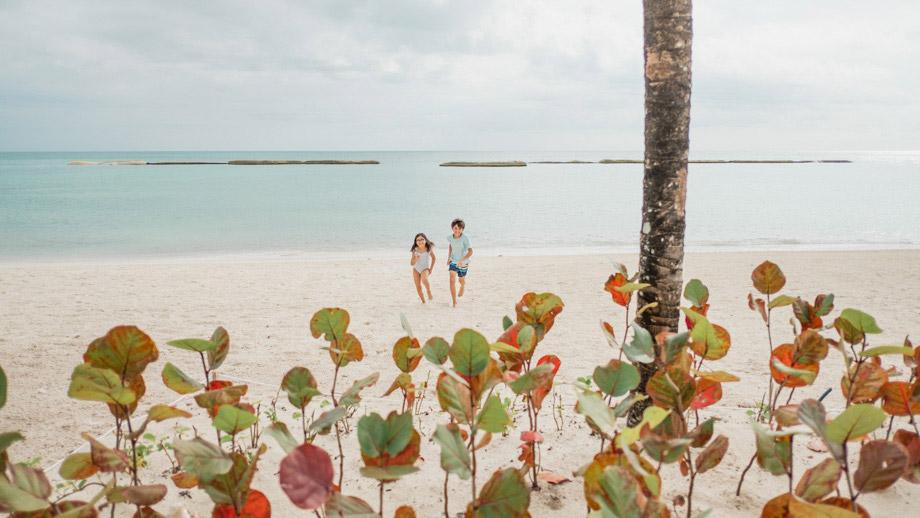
(708, 392)
(219, 384)
(531, 436)
(256, 506)
(306, 476)
(615, 281)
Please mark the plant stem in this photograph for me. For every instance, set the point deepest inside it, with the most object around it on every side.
(690, 489)
(446, 477)
(338, 439)
(134, 479)
(381, 499)
(770, 343)
(204, 367)
(743, 473)
(846, 471)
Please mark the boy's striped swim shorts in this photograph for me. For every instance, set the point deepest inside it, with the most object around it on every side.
(461, 272)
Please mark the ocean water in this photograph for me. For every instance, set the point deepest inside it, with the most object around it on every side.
(50, 210)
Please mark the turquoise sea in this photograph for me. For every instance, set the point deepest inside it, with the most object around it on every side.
(50, 210)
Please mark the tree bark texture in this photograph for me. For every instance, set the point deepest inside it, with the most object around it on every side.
(668, 40)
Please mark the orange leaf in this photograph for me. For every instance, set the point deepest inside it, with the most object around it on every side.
(896, 399)
(708, 392)
(552, 478)
(256, 506)
(615, 281)
(784, 354)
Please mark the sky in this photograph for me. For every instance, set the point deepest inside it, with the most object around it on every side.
(784, 75)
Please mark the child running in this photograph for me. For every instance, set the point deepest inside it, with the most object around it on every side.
(422, 262)
(458, 257)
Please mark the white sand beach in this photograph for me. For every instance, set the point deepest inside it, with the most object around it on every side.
(50, 312)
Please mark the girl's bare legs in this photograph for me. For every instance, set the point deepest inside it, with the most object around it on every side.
(453, 287)
(424, 276)
(418, 284)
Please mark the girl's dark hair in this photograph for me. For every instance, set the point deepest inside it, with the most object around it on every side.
(427, 241)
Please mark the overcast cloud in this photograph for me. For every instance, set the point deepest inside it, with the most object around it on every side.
(523, 75)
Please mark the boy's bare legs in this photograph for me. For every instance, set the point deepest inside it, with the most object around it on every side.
(462, 286)
(424, 276)
(453, 287)
(418, 284)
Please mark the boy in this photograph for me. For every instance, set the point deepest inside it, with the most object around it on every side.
(458, 256)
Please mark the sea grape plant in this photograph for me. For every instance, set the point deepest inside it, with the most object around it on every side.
(389, 448)
(535, 315)
(864, 383)
(621, 479)
(407, 354)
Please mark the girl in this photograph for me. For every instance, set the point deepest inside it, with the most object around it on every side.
(422, 262)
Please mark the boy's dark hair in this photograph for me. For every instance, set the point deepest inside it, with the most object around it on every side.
(427, 242)
(458, 223)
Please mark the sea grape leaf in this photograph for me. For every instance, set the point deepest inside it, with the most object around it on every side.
(345, 350)
(616, 378)
(178, 381)
(506, 322)
(108, 460)
(788, 373)
(454, 398)
(502, 347)
(324, 423)
(198, 345)
(720, 376)
(31, 480)
(674, 346)
(330, 323)
(672, 387)
(619, 492)
(696, 292)
(613, 282)
(609, 333)
(378, 436)
(504, 495)
(811, 413)
(306, 476)
(469, 352)
(707, 393)
(404, 322)
(847, 331)
(387, 473)
(824, 304)
(89, 383)
(300, 386)
(126, 350)
(6, 440)
(712, 455)
(493, 417)
(160, 413)
(774, 452)
(886, 349)
(233, 420)
(402, 381)
(856, 421)
(201, 458)
(255, 506)
(401, 357)
(539, 310)
(2, 388)
(708, 340)
(810, 347)
(867, 385)
(593, 407)
(16, 499)
(436, 350)
(702, 433)
(221, 340)
(847, 505)
(862, 322)
(143, 495)
(653, 416)
(280, 432)
(768, 278)
(782, 300)
(641, 349)
(663, 449)
(787, 415)
(342, 506)
(897, 399)
(819, 481)
(881, 464)
(810, 510)
(455, 458)
(352, 396)
(212, 399)
(537, 377)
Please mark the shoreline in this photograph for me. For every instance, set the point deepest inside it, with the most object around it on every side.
(351, 255)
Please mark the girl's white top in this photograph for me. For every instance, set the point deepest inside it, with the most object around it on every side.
(423, 262)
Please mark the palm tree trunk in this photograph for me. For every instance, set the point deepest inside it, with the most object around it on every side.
(668, 41)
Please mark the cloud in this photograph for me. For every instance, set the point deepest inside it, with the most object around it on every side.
(416, 74)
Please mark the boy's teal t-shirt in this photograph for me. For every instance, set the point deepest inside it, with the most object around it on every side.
(459, 247)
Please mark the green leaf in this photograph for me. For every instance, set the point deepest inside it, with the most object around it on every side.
(712, 455)
(436, 350)
(352, 396)
(672, 387)
(537, 377)
(805, 375)
(78, 466)
(233, 420)
(18, 500)
(592, 406)
(812, 414)
(854, 422)
(641, 348)
(342, 506)
(160, 413)
(493, 417)
(108, 460)
(454, 398)
(279, 431)
(505, 495)
(696, 292)
(674, 345)
(96, 384)
(330, 323)
(125, 350)
(8, 438)
(618, 493)
(819, 481)
(887, 349)
(378, 436)
(630, 287)
(774, 452)
(197, 345)
(178, 381)
(201, 458)
(782, 300)
(405, 325)
(652, 416)
(300, 386)
(502, 347)
(221, 340)
(469, 352)
(455, 458)
(506, 323)
(327, 419)
(616, 378)
(403, 355)
(861, 321)
(2, 388)
(387, 473)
